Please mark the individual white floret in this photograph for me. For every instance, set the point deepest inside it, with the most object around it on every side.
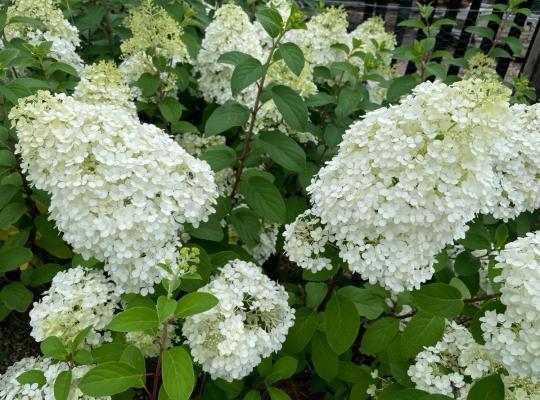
(249, 323)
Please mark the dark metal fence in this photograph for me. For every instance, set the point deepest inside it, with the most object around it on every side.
(454, 38)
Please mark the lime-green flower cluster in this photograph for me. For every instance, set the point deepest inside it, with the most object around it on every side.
(153, 28)
(103, 82)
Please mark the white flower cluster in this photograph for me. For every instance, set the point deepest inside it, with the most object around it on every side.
(250, 322)
(379, 44)
(305, 241)
(409, 177)
(11, 389)
(322, 32)
(448, 367)
(152, 28)
(78, 298)
(120, 190)
(517, 388)
(514, 336)
(517, 164)
(232, 30)
(55, 28)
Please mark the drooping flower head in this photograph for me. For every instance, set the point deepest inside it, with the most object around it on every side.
(249, 323)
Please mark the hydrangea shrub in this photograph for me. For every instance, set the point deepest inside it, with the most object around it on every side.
(248, 200)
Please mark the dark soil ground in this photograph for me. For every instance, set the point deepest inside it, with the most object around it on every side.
(15, 340)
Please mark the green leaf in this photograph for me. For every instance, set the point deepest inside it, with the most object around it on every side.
(291, 106)
(319, 99)
(83, 357)
(412, 23)
(54, 348)
(379, 335)
(252, 395)
(439, 299)
(226, 117)
(244, 74)
(165, 308)
(498, 52)
(178, 376)
(501, 235)
(134, 319)
(270, 20)
(282, 369)
(435, 69)
(31, 377)
(283, 150)
(171, 109)
(342, 323)
(466, 264)
(79, 339)
(13, 257)
(7, 192)
(60, 66)
(210, 230)
(219, 157)
(443, 21)
(133, 357)
(293, 57)
(108, 352)
(11, 214)
(62, 384)
(325, 360)
(149, 84)
(110, 378)
(233, 58)
(7, 159)
(488, 388)
(195, 303)
(50, 239)
(401, 86)
(514, 43)
(354, 373)
(366, 302)
(247, 225)
(300, 334)
(277, 394)
(423, 330)
(481, 31)
(263, 198)
(16, 296)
